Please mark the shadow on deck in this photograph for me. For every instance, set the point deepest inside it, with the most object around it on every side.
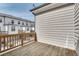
(40, 49)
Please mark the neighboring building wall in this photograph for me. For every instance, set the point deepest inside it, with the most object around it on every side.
(56, 27)
(6, 25)
(77, 27)
(16, 25)
(1, 24)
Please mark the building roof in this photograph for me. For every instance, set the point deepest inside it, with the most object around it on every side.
(14, 17)
(40, 6)
(48, 7)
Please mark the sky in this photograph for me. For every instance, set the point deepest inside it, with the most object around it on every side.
(19, 9)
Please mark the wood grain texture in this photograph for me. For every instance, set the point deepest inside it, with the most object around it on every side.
(40, 49)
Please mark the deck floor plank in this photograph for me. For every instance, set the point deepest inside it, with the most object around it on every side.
(40, 49)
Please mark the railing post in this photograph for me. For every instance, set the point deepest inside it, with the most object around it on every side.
(21, 39)
(7, 42)
(4, 43)
(35, 36)
(10, 41)
(0, 44)
(21, 42)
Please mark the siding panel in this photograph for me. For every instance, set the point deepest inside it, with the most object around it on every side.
(57, 27)
(77, 27)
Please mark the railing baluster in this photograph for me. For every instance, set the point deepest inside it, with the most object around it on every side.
(21, 40)
(29, 37)
(0, 44)
(4, 43)
(10, 42)
(25, 37)
(7, 42)
(15, 39)
(18, 39)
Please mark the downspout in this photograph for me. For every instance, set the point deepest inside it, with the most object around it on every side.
(34, 24)
(34, 19)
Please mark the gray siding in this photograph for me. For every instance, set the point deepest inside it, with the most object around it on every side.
(56, 27)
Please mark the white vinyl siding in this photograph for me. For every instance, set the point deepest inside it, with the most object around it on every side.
(56, 27)
(77, 27)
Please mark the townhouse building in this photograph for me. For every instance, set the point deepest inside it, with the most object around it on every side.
(11, 25)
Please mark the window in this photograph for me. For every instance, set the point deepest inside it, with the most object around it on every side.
(18, 22)
(26, 24)
(13, 28)
(22, 23)
(28, 29)
(30, 24)
(0, 20)
(12, 21)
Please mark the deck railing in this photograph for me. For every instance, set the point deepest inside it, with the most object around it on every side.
(3, 32)
(13, 40)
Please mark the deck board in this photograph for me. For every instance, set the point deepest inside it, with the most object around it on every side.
(40, 49)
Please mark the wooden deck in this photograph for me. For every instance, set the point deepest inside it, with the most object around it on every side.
(40, 49)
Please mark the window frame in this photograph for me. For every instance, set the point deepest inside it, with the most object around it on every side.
(13, 28)
(22, 23)
(12, 21)
(18, 22)
(0, 20)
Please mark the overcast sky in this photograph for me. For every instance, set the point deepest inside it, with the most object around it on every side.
(18, 9)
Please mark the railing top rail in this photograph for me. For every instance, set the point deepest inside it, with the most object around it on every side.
(5, 35)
